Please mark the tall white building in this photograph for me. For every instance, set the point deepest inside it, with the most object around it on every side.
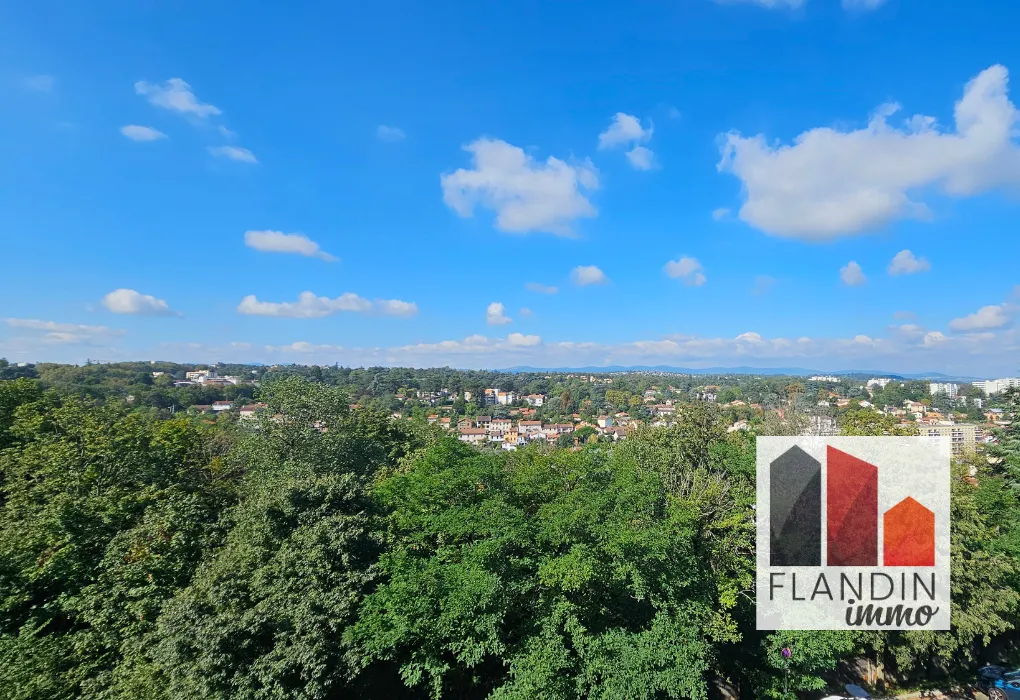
(881, 382)
(946, 388)
(995, 386)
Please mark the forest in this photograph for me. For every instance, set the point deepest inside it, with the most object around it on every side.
(328, 551)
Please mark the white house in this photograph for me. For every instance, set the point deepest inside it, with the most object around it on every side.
(222, 405)
(536, 400)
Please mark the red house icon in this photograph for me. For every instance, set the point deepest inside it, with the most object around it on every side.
(909, 537)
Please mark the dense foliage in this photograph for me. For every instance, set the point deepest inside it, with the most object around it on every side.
(325, 551)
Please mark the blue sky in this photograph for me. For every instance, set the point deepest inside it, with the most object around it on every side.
(703, 183)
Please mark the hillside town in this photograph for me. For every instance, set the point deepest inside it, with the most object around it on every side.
(506, 419)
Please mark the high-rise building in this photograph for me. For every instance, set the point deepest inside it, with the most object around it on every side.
(995, 386)
(946, 388)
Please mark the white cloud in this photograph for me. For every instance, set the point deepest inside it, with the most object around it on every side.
(525, 194)
(688, 270)
(584, 275)
(175, 95)
(641, 158)
(910, 331)
(495, 315)
(523, 341)
(720, 213)
(396, 307)
(234, 153)
(279, 242)
(40, 83)
(309, 305)
(624, 129)
(905, 315)
(390, 133)
(852, 275)
(985, 318)
(541, 288)
(904, 263)
(53, 333)
(831, 183)
(142, 133)
(128, 301)
(305, 348)
(525, 311)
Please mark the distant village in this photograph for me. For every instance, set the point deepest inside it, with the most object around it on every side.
(518, 419)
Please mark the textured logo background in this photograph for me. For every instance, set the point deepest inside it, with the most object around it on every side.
(853, 533)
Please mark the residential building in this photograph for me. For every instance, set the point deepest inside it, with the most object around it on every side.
(201, 408)
(505, 398)
(483, 421)
(464, 423)
(501, 424)
(248, 412)
(222, 405)
(823, 378)
(963, 436)
(199, 374)
(880, 382)
(475, 436)
(604, 422)
(996, 386)
(947, 388)
(537, 400)
(662, 410)
(529, 426)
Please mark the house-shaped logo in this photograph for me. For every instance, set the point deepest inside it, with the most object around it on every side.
(853, 533)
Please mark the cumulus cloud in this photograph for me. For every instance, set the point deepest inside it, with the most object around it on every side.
(237, 153)
(525, 194)
(641, 158)
(175, 95)
(389, 133)
(832, 183)
(523, 341)
(309, 305)
(495, 315)
(985, 318)
(584, 275)
(279, 242)
(129, 301)
(852, 275)
(53, 333)
(687, 270)
(624, 129)
(142, 133)
(541, 288)
(904, 263)
(396, 307)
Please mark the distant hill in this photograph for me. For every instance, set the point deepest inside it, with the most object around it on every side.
(768, 371)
